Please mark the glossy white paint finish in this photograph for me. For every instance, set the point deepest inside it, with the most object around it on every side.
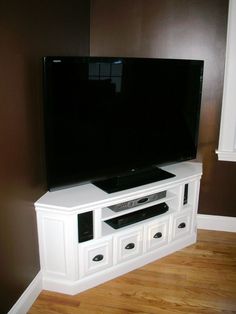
(69, 267)
(80, 198)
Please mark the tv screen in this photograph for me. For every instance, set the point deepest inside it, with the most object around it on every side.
(107, 116)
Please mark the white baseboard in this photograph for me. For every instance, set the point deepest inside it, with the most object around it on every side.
(218, 223)
(28, 297)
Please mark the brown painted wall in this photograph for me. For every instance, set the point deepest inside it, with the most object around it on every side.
(177, 29)
(144, 28)
(28, 31)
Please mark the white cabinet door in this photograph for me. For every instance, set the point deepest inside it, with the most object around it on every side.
(181, 224)
(129, 245)
(156, 234)
(95, 257)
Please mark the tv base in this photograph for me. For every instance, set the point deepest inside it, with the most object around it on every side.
(133, 179)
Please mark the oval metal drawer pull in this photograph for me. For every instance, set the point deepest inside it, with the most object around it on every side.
(143, 200)
(98, 258)
(182, 225)
(130, 246)
(157, 235)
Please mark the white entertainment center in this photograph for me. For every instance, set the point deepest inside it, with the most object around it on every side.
(69, 266)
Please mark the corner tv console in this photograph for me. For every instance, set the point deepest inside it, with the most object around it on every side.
(80, 249)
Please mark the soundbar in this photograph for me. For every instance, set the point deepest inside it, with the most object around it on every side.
(128, 219)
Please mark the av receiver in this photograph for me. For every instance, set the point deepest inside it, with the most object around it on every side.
(138, 201)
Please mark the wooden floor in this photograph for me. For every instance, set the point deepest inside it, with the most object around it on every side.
(198, 279)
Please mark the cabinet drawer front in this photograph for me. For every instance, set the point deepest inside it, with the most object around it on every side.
(157, 234)
(95, 257)
(182, 225)
(129, 245)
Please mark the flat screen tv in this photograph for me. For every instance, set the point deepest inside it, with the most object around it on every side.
(113, 121)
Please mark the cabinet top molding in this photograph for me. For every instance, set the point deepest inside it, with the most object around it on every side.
(82, 197)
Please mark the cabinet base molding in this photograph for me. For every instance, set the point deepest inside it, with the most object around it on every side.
(78, 286)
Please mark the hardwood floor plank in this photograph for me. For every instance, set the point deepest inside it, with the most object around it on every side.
(197, 279)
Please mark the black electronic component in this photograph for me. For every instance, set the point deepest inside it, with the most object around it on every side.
(128, 219)
(138, 201)
(85, 226)
(185, 194)
(117, 136)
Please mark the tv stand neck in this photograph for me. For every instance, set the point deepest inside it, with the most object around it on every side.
(133, 179)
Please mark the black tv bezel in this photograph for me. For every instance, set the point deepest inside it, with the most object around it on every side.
(127, 172)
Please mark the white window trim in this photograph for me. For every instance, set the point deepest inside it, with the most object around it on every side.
(227, 140)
